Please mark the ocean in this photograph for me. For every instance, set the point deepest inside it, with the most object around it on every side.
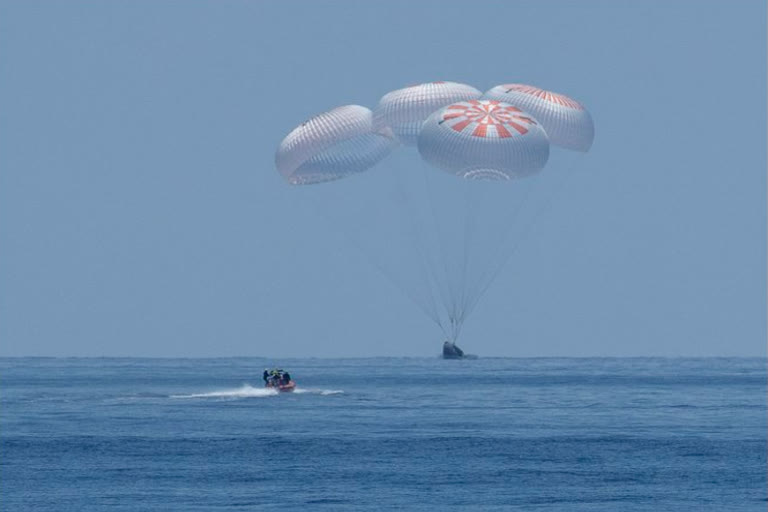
(596, 434)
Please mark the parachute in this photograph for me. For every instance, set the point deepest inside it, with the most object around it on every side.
(404, 110)
(442, 221)
(332, 145)
(484, 140)
(566, 121)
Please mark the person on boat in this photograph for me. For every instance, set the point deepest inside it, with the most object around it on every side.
(271, 376)
(276, 377)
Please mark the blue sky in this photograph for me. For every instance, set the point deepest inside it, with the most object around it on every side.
(141, 214)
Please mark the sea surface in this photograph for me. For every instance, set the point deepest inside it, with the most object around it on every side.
(383, 434)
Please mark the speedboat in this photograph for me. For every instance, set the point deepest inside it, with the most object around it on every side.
(287, 387)
(278, 379)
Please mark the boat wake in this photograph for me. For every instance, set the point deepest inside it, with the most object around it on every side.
(248, 391)
(322, 392)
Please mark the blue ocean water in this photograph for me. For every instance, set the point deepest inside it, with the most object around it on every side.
(383, 433)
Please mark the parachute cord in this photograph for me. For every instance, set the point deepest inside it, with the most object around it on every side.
(414, 226)
(471, 198)
(455, 329)
(507, 257)
(432, 315)
(468, 212)
(545, 207)
(500, 255)
(448, 296)
(435, 282)
(470, 218)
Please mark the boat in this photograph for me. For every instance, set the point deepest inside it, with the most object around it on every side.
(284, 388)
(279, 380)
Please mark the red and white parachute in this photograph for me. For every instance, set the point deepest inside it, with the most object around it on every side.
(453, 226)
(484, 139)
(566, 121)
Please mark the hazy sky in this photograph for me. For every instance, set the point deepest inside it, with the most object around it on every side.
(141, 214)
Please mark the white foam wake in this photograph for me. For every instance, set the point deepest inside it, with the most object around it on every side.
(245, 391)
(248, 391)
(323, 392)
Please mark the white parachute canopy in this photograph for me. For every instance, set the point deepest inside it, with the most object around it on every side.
(566, 121)
(404, 110)
(332, 145)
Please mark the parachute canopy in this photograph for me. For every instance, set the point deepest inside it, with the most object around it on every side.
(332, 145)
(442, 241)
(566, 121)
(404, 110)
(484, 139)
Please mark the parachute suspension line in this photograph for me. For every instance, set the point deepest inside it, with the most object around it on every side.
(487, 284)
(468, 240)
(501, 254)
(421, 231)
(418, 242)
(465, 256)
(432, 315)
(526, 231)
(449, 302)
(538, 214)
